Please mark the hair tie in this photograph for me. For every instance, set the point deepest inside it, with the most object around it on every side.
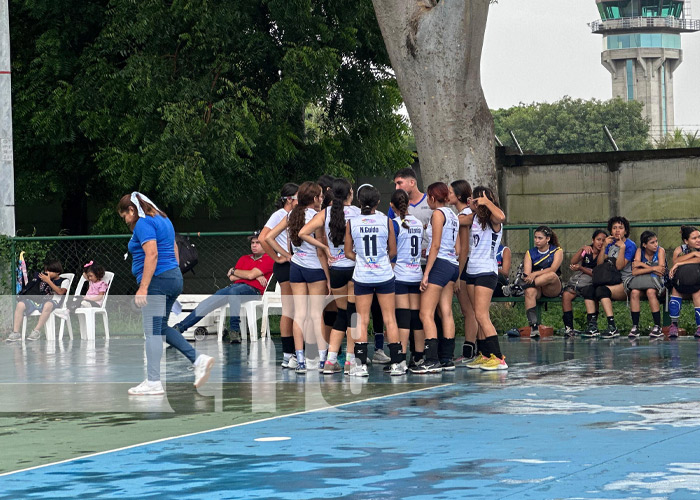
(88, 264)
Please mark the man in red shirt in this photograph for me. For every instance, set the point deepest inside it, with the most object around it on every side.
(249, 278)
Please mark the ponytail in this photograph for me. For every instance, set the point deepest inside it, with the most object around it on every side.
(400, 200)
(340, 191)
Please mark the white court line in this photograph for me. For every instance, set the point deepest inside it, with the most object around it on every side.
(268, 419)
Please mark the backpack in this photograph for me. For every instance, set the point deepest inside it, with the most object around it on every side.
(187, 253)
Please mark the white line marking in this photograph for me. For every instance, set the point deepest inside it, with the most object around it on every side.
(272, 439)
(268, 419)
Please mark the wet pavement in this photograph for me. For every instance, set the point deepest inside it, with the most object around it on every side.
(570, 419)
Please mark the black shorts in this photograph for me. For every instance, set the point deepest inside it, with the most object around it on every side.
(372, 288)
(489, 280)
(281, 271)
(340, 276)
(403, 287)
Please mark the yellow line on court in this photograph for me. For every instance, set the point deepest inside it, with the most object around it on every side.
(83, 457)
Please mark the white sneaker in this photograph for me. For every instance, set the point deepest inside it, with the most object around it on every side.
(202, 368)
(147, 388)
(312, 365)
(291, 363)
(35, 335)
(62, 313)
(14, 337)
(358, 369)
(380, 357)
(398, 369)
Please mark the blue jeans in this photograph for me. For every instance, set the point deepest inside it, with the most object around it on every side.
(162, 293)
(233, 295)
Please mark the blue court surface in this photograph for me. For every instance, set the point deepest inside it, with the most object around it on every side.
(570, 419)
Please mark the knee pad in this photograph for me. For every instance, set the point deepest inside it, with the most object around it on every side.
(351, 312)
(602, 292)
(587, 292)
(341, 320)
(403, 319)
(674, 306)
(329, 317)
(416, 323)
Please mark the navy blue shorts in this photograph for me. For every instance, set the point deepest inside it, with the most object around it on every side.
(298, 274)
(489, 280)
(403, 287)
(281, 271)
(379, 288)
(30, 306)
(443, 272)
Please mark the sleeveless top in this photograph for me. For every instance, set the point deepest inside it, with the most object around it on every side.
(338, 253)
(305, 255)
(536, 257)
(482, 249)
(370, 234)
(654, 258)
(275, 219)
(408, 249)
(450, 229)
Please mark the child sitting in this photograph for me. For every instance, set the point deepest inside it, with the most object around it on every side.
(42, 293)
(93, 273)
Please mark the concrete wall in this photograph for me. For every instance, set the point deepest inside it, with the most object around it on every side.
(656, 185)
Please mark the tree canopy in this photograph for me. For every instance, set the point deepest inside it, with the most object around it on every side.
(200, 102)
(573, 125)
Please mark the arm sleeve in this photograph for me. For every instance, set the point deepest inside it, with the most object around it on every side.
(630, 251)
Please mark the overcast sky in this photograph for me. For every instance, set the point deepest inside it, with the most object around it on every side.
(534, 52)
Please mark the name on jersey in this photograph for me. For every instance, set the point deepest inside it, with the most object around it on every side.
(413, 230)
(368, 229)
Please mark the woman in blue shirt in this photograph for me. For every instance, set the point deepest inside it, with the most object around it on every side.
(156, 269)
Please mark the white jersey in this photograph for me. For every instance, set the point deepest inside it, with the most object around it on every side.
(272, 222)
(450, 229)
(338, 252)
(423, 213)
(370, 234)
(408, 250)
(305, 255)
(483, 248)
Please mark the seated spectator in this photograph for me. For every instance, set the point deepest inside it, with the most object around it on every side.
(93, 273)
(503, 258)
(249, 277)
(541, 270)
(648, 271)
(614, 267)
(685, 278)
(582, 264)
(43, 293)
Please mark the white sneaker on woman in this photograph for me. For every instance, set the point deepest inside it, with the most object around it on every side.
(148, 388)
(202, 369)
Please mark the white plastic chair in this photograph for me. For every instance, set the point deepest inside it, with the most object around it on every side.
(50, 326)
(270, 300)
(87, 315)
(249, 315)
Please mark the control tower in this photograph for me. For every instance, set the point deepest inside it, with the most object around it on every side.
(641, 50)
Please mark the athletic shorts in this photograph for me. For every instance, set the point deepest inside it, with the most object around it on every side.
(340, 276)
(281, 271)
(489, 280)
(299, 274)
(403, 287)
(378, 288)
(31, 307)
(443, 272)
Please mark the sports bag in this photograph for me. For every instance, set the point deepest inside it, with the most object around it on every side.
(606, 274)
(645, 282)
(688, 275)
(187, 253)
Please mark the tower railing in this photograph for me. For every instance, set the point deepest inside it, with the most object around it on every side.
(645, 22)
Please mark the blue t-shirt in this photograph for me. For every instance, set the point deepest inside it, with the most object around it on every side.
(161, 230)
(630, 249)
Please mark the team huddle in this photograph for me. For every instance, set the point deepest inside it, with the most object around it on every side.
(408, 263)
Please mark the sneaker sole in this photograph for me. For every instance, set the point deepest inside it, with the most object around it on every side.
(448, 368)
(207, 371)
(496, 369)
(146, 393)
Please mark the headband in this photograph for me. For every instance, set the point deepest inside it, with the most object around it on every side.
(364, 185)
(135, 201)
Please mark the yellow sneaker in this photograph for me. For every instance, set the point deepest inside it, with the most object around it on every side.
(479, 360)
(494, 363)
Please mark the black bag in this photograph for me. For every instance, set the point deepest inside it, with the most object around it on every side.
(32, 286)
(187, 253)
(606, 274)
(688, 275)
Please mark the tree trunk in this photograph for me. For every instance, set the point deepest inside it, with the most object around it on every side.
(435, 50)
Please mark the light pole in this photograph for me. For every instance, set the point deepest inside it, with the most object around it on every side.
(7, 177)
